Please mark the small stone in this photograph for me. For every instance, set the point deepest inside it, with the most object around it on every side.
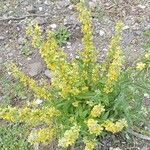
(71, 20)
(101, 33)
(53, 26)
(68, 43)
(146, 95)
(28, 58)
(35, 68)
(142, 6)
(125, 27)
(40, 8)
(40, 20)
(92, 5)
(31, 9)
(10, 54)
(63, 3)
(39, 101)
(70, 7)
(68, 46)
(46, 2)
(48, 73)
(2, 38)
(20, 41)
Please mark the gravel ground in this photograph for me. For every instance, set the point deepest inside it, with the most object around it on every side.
(15, 15)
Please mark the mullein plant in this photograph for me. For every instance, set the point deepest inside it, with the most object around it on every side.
(86, 99)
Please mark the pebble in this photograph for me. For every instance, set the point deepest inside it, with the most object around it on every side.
(31, 9)
(39, 101)
(92, 5)
(40, 8)
(71, 20)
(101, 33)
(142, 6)
(40, 20)
(125, 27)
(35, 68)
(53, 26)
(48, 73)
(2, 38)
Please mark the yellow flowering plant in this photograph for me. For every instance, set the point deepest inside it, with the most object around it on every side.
(85, 99)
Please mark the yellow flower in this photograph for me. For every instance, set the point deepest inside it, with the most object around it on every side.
(140, 66)
(97, 110)
(147, 55)
(89, 144)
(27, 81)
(115, 127)
(70, 136)
(94, 127)
(42, 135)
(114, 60)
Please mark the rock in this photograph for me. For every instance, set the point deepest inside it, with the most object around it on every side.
(20, 41)
(71, 20)
(92, 5)
(48, 73)
(35, 68)
(125, 27)
(101, 33)
(142, 6)
(146, 95)
(40, 8)
(31, 9)
(63, 3)
(53, 26)
(40, 20)
(2, 38)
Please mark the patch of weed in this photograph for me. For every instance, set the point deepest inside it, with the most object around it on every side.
(13, 137)
(62, 36)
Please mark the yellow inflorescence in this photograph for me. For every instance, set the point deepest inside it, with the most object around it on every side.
(140, 66)
(70, 136)
(89, 144)
(115, 127)
(115, 59)
(97, 110)
(30, 116)
(39, 91)
(94, 127)
(147, 55)
(35, 32)
(42, 135)
(88, 53)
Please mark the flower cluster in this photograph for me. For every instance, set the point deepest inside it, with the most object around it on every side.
(89, 144)
(41, 92)
(145, 63)
(115, 59)
(29, 115)
(97, 110)
(94, 127)
(85, 98)
(70, 136)
(42, 135)
(115, 127)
